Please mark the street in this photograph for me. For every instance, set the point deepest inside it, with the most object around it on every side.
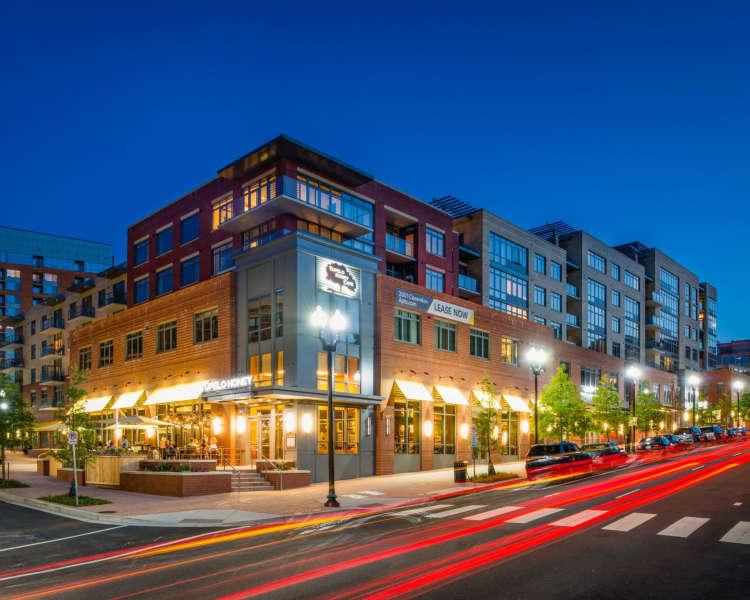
(678, 526)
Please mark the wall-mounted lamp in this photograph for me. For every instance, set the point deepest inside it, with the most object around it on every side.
(428, 428)
(216, 426)
(241, 424)
(290, 422)
(464, 431)
(150, 432)
(525, 426)
(307, 422)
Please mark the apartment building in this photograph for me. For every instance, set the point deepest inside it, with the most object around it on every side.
(734, 354)
(707, 333)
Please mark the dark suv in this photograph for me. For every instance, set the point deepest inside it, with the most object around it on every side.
(558, 454)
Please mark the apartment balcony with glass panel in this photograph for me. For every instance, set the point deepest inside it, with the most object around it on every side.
(468, 286)
(51, 375)
(52, 326)
(398, 249)
(654, 299)
(653, 323)
(50, 354)
(83, 285)
(80, 315)
(11, 341)
(11, 364)
(110, 303)
(572, 291)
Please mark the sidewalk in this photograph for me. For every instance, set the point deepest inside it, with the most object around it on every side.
(235, 508)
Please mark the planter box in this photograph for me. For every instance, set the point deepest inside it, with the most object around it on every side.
(176, 484)
(270, 465)
(196, 466)
(286, 480)
(66, 475)
(105, 470)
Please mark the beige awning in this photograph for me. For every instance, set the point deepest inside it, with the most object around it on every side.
(411, 390)
(128, 399)
(516, 404)
(91, 405)
(176, 393)
(50, 426)
(450, 395)
(482, 398)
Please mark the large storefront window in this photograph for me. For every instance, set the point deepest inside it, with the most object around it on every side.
(345, 373)
(445, 429)
(407, 421)
(346, 439)
(509, 436)
(259, 319)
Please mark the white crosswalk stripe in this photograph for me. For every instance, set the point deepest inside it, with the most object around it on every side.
(488, 514)
(455, 511)
(534, 515)
(420, 510)
(578, 518)
(684, 527)
(629, 522)
(739, 534)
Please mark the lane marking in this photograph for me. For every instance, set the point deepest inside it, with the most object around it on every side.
(69, 537)
(534, 515)
(368, 492)
(488, 514)
(628, 493)
(547, 496)
(739, 534)
(698, 468)
(455, 511)
(735, 504)
(423, 509)
(684, 527)
(629, 522)
(735, 454)
(578, 518)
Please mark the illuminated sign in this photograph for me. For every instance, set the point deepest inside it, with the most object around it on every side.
(434, 306)
(338, 278)
(228, 384)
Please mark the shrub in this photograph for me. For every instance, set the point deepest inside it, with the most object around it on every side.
(71, 501)
(12, 483)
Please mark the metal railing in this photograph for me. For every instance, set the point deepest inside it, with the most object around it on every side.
(400, 245)
(467, 282)
(571, 320)
(572, 290)
(56, 323)
(112, 298)
(83, 311)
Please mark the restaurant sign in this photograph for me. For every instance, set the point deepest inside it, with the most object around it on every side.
(219, 385)
(336, 277)
(434, 306)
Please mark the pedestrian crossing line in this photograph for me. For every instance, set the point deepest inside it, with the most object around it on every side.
(455, 511)
(629, 522)
(578, 518)
(534, 515)
(488, 514)
(684, 527)
(739, 534)
(420, 510)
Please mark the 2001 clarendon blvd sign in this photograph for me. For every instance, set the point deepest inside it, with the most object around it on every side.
(434, 306)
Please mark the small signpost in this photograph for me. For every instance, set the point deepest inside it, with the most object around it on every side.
(73, 441)
(474, 446)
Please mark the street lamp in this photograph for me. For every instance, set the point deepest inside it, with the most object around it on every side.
(537, 358)
(634, 374)
(693, 382)
(329, 329)
(4, 408)
(738, 386)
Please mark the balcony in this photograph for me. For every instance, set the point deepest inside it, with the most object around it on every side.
(10, 341)
(82, 286)
(52, 326)
(571, 320)
(48, 353)
(654, 299)
(79, 316)
(468, 286)
(51, 376)
(398, 249)
(111, 303)
(338, 211)
(572, 291)
(10, 364)
(653, 322)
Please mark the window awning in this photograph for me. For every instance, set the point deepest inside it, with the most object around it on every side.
(176, 393)
(450, 395)
(95, 404)
(481, 397)
(411, 390)
(50, 426)
(516, 404)
(128, 399)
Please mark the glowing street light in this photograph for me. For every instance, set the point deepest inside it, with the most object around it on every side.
(738, 387)
(634, 374)
(537, 358)
(693, 381)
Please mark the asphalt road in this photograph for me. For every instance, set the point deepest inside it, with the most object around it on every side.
(677, 527)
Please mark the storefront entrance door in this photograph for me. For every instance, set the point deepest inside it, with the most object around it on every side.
(265, 434)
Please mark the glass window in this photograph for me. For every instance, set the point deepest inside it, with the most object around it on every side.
(445, 336)
(590, 377)
(555, 270)
(435, 242)
(538, 319)
(166, 337)
(615, 298)
(164, 281)
(597, 293)
(259, 319)
(189, 228)
(346, 437)
(407, 427)
(632, 281)
(33, 351)
(222, 211)
(540, 296)
(50, 283)
(190, 271)
(444, 430)
(479, 344)
(596, 262)
(206, 325)
(434, 280)
(221, 259)
(616, 349)
(260, 192)
(615, 325)
(280, 367)
(164, 241)
(555, 301)
(540, 264)
(140, 290)
(140, 253)
(279, 313)
(508, 293)
(106, 353)
(260, 369)
(615, 271)
(507, 253)
(134, 345)
(408, 327)
(557, 329)
(345, 373)
(508, 351)
(84, 359)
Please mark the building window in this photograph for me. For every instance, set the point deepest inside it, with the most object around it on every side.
(555, 301)
(597, 293)
(166, 337)
(407, 327)
(557, 329)
(538, 319)
(259, 319)
(687, 352)
(106, 353)
(134, 345)
(434, 280)
(508, 351)
(555, 270)
(140, 254)
(345, 373)
(507, 253)
(687, 331)
(280, 367)
(444, 430)
(164, 281)
(615, 298)
(615, 271)
(616, 349)
(407, 427)
(189, 228)
(479, 344)
(33, 375)
(540, 264)
(435, 242)
(590, 377)
(346, 436)
(615, 325)
(596, 262)
(206, 325)
(261, 191)
(190, 271)
(540, 296)
(84, 359)
(279, 313)
(32, 400)
(164, 241)
(223, 210)
(260, 369)
(32, 327)
(445, 336)
(508, 293)
(50, 283)
(140, 290)
(632, 280)
(221, 259)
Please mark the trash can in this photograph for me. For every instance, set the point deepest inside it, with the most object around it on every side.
(459, 471)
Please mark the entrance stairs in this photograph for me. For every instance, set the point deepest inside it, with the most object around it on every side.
(249, 480)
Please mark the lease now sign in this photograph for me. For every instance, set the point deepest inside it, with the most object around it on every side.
(434, 306)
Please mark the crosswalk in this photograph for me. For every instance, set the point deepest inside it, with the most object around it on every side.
(681, 528)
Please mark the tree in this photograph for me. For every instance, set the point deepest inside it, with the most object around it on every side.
(16, 420)
(647, 410)
(745, 406)
(724, 408)
(607, 414)
(562, 409)
(486, 420)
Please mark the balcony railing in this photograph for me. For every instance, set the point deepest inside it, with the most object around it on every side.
(83, 311)
(52, 324)
(400, 245)
(112, 298)
(52, 374)
(653, 320)
(572, 291)
(11, 338)
(469, 283)
(571, 320)
(50, 351)
(11, 363)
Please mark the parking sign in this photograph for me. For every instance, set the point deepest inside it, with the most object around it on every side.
(72, 438)
(474, 437)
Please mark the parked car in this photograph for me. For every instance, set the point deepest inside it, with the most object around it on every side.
(558, 454)
(711, 433)
(695, 432)
(605, 452)
(680, 442)
(653, 444)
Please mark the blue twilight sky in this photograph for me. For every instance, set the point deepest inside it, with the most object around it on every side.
(626, 119)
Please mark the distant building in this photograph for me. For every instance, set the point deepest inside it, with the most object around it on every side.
(734, 354)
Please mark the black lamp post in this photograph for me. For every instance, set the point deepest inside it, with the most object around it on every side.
(4, 408)
(329, 329)
(633, 373)
(693, 382)
(738, 385)
(537, 358)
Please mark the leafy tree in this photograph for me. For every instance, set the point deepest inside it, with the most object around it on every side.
(724, 408)
(647, 410)
(744, 406)
(562, 409)
(607, 408)
(16, 420)
(485, 419)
